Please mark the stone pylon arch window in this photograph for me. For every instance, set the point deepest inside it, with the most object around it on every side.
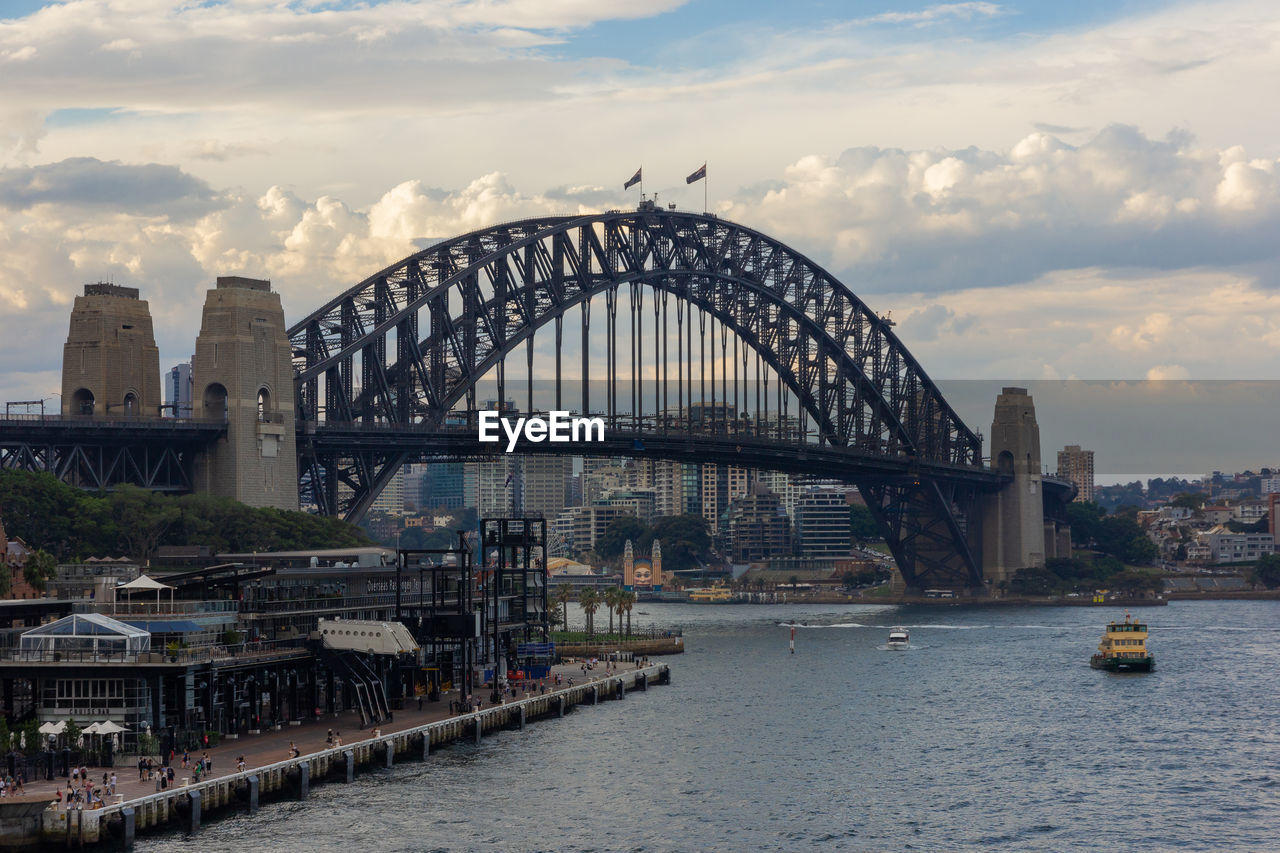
(215, 401)
(82, 402)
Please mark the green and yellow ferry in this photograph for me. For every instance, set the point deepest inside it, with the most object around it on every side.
(1124, 648)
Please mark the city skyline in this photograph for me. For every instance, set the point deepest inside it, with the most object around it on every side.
(1030, 190)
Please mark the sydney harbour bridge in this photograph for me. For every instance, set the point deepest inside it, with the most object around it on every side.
(695, 339)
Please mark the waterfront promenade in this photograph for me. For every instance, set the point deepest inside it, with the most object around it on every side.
(273, 746)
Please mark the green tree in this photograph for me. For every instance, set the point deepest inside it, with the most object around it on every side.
(6, 578)
(1119, 537)
(862, 524)
(39, 569)
(73, 731)
(1141, 551)
(589, 601)
(686, 542)
(32, 740)
(1189, 500)
(5, 737)
(1034, 581)
(560, 598)
(627, 602)
(1084, 518)
(610, 599)
(1267, 570)
(613, 541)
(1136, 583)
(143, 518)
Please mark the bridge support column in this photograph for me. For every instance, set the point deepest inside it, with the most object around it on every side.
(304, 780)
(130, 826)
(254, 785)
(1013, 532)
(391, 754)
(350, 757)
(243, 374)
(426, 745)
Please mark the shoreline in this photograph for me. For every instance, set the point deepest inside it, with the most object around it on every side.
(1007, 601)
(410, 736)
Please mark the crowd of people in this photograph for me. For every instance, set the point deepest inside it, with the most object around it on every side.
(12, 784)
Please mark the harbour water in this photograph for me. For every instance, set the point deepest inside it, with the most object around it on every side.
(990, 733)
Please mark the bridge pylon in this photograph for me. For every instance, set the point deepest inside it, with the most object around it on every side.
(110, 363)
(1013, 519)
(243, 374)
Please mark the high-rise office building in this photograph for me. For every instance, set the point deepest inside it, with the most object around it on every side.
(720, 485)
(391, 499)
(1077, 466)
(545, 480)
(822, 522)
(758, 526)
(177, 391)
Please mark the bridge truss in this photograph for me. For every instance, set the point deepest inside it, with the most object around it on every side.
(713, 333)
(98, 454)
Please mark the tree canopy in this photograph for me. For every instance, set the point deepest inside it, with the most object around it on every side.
(686, 543)
(613, 541)
(1267, 570)
(72, 524)
(862, 524)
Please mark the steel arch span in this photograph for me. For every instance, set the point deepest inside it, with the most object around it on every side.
(381, 371)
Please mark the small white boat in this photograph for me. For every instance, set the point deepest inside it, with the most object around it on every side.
(898, 638)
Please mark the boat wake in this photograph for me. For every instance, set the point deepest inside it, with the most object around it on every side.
(886, 627)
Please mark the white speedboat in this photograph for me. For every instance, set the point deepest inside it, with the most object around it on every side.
(898, 638)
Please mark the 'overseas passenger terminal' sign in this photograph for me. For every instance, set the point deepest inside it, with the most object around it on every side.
(558, 427)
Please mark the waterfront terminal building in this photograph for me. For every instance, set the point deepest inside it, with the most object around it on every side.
(236, 647)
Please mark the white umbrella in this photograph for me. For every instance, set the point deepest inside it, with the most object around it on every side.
(91, 729)
(53, 728)
(110, 728)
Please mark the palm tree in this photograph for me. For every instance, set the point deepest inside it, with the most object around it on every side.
(610, 598)
(561, 598)
(627, 601)
(589, 601)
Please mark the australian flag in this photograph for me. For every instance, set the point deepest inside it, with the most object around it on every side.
(635, 179)
(698, 175)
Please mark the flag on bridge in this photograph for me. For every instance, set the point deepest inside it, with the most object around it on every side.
(507, 484)
(698, 175)
(635, 179)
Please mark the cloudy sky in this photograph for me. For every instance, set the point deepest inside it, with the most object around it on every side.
(1036, 190)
